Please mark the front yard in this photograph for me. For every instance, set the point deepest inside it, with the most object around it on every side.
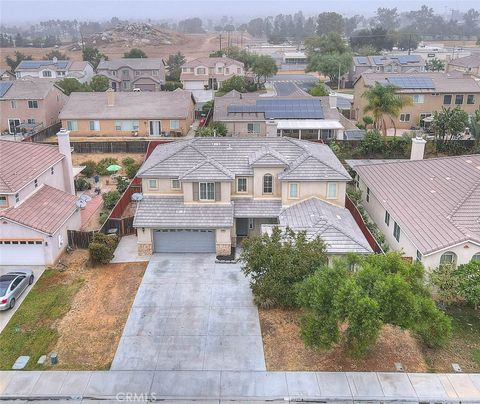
(76, 311)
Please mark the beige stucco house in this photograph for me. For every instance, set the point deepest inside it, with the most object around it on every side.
(429, 93)
(469, 65)
(205, 194)
(55, 69)
(37, 201)
(29, 103)
(165, 113)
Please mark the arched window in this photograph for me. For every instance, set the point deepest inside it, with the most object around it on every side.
(448, 258)
(268, 184)
(476, 257)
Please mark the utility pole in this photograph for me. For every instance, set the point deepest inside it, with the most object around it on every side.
(409, 42)
(338, 81)
(220, 41)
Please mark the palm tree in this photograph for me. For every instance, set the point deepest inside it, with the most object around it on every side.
(383, 101)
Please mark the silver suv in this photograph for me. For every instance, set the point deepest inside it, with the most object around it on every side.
(12, 285)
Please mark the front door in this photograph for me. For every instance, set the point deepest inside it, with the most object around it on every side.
(242, 227)
(12, 124)
(114, 85)
(155, 128)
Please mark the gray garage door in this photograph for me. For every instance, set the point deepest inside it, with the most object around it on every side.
(145, 87)
(185, 240)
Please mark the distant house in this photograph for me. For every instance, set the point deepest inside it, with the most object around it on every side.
(6, 75)
(55, 69)
(37, 201)
(298, 116)
(469, 65)
(29, 104)
(203, 76)
(165, 113)
(429, 93)
(145, 74)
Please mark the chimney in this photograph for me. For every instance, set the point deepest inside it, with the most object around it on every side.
(63, 138)
(271, 128)
(418, 148)
(55, 60)
(110, 97)
(332, 100)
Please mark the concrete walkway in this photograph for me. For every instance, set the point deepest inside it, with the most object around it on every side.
(127, 251)
(191, 314)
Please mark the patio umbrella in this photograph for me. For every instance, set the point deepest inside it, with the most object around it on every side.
(113, 168)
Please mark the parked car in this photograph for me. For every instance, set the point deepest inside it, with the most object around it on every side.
(12, 285)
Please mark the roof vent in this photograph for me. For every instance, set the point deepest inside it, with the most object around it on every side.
(433, 191)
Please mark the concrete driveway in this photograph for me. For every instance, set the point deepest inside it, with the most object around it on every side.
(5, 316)
(191, 314)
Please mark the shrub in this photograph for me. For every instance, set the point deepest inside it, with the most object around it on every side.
(90, 167)
(103, 164)
(103, 216)
(81, 184)
(172, 85)
(372, 143)
(128, 161)
(110, 199)
(122, 184)
(131, 170)
(102, 247)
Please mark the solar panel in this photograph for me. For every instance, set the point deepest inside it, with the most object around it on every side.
(379, 60)
(37, 64)
(4, 86)
(362, 60)
(404, 59)
(412, 82)
(282, 109)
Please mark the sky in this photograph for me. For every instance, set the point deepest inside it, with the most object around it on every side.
(17, 11)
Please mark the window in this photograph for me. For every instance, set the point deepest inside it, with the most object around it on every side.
(448, 258)
(125, 72)
(268, 184)
(17, 198)
(219, 69)
(396, 231)
(47, 73)
(471, 99)
(293, 190)
(418, 99)
(241, 184)
(387, 218)
(201, 70)
(253, 127)
(114, 72)
(331, 190)
(137, 72)
(72, 125)
(459, 99)
(404, 117)
(52, 170)
(368, 195)
(476, 257)
(31, 121)
(3, 201)
(13, 104)
(35, 182)
(94, 125)
(175, 184)
(227, 70)
(60, 73)
(126, 84)
(419, 256)
(251, 223)
(174, 124)
(447, 99)
(152, 184)
(33, 104)
(207, 191)
(126, 125)
(155, 72)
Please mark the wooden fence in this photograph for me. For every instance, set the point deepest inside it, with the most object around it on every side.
(79, 239)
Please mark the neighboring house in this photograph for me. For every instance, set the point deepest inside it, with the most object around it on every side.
(144, 74)
(27, 104)
(429, 209)
(298, 116)
(469, 65)
(37, 201)
(205, 194)
(429, 92)
(385, 64)
(203, 76)
(165, 113)
(55, 69)
(6, 75)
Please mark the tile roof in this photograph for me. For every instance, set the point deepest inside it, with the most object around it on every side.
(133, 63)
(333, 224)
(171, 212)
(129, 105)
(467, 61)
(235, 154)
(208, 170)
(29, 89)
(266, 156)
(248, 207)
(435, 201)
(22, 162)
(211, 62)
(46, 210)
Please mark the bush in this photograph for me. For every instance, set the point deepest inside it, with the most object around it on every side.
(110, 199)
(172, 85)
(103, 216)
(81, 184)
(90, 167)
(372, 143)
(103, 164)
(122, 184)
(102, 247)
(131, 170)
(128, 161)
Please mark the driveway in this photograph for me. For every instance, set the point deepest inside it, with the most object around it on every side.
(191, 314)
(5, 316)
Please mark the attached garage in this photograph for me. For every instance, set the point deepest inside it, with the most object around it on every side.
(145, 87)
(184, 241)
(145, 84)
(24, 252)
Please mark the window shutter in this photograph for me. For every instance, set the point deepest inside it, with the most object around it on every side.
(195, 191)
(218, 192)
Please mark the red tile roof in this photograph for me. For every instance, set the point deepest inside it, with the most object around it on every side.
(46, 210)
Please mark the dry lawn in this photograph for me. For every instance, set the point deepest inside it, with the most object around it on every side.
(79, 158)
(285, 350)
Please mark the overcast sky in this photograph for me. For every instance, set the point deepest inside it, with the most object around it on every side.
(15, 11)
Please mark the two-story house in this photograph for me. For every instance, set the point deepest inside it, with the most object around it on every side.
(55, 69)
(163, 113)
(205, 194)
(203, 76)
(469, 65)
(29, 104)
(6, 75)
(37, 201)
(144, 74)
(429, 92)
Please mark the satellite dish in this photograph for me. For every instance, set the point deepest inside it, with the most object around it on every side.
(85, 198)
(81, 204)
(136, 197)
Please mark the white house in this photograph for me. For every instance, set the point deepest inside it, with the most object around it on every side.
(37, 201)
(55, 69)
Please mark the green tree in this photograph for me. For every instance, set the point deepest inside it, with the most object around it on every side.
(263, 67)
(110, 199)
(135, 53)
(99, 84)
(56, 54)
(13, 63)
(449, 123)
(214, 129)
(276, 262)
(327, 43)
(174, 64)
(383, 101)
(378, 38)
(387, 18)
(468, 276)
(319, 90)
(435, 65)
(444, 283)
(330, 22)
(93, 55)
(70, 85)
(330, 65)
(233, 83)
